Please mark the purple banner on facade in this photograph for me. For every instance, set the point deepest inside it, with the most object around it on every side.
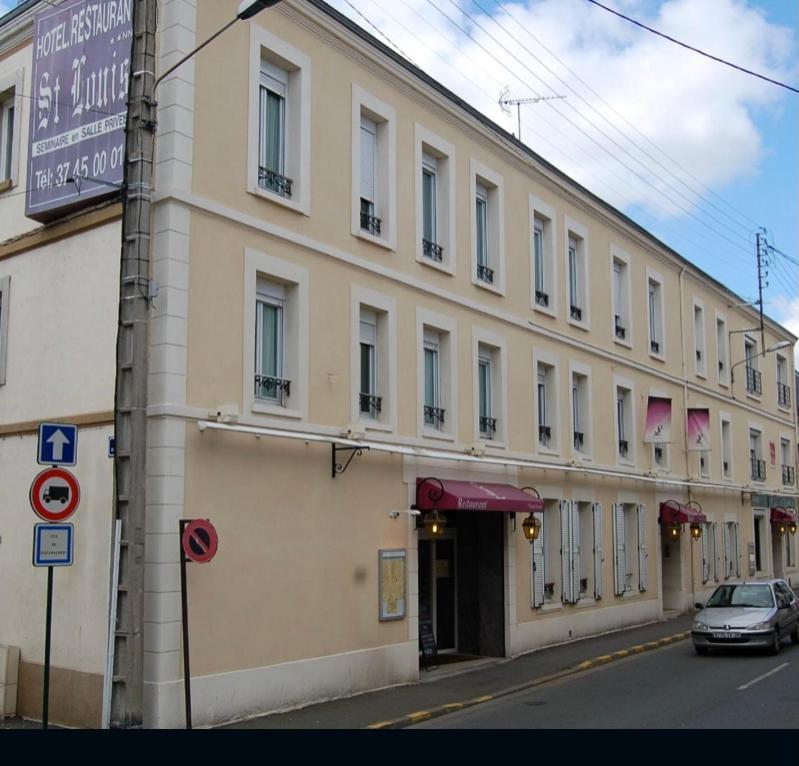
(658, 420)
(81, 64)
(698, 429)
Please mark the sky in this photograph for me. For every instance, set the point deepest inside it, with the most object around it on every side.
(699, 154)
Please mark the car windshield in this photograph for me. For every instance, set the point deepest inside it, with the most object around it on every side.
(757, 596)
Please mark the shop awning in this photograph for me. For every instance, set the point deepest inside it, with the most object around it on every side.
(448, 495)
(672, 512)
(782, 514)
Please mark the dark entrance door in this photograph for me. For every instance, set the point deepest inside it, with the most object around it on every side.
(437, 589)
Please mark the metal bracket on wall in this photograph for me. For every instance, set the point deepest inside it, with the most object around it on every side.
(336, 466)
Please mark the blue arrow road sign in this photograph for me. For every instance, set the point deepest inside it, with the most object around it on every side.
(58, 444)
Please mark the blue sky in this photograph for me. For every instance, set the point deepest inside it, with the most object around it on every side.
(632, 97)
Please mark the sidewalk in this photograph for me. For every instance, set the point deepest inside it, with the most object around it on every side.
(453, 687)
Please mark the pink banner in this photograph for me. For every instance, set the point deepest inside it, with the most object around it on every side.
(658, 420)
(698, 429)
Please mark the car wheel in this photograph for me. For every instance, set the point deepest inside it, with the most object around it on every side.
(776, 641)
(700, 650)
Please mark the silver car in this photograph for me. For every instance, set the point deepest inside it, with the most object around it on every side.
(747, 615)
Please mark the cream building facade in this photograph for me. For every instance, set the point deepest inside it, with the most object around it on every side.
(364, 284)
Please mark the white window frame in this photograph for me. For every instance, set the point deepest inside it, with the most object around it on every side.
(785, 438)
(723, 352)
(428, 143)
(653, 277)
(497, 345)
(5, 308)
(368, 335)
(579, 233)
(386, 354)
(385, 118)
(756, 428)
(296, 317)
(583, 370)
(625, 298)
(755, 365)
(549, 362)
(265, 46)
(276, 296)
(726, 451)
(447, 329)
(700, 339)
(630, 424)
(787, 367)
(14, 82)
(481, 175)
(538, 209)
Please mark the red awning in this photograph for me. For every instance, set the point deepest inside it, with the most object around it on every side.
(672, 512)
(782, 514)
(447, 495)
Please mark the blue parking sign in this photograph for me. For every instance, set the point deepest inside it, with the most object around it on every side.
(58, 444)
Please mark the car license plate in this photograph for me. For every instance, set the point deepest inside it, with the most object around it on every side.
(726, 634)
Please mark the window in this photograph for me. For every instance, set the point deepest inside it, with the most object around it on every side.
(373, 169)
(7, 134)
(732, 565)
(754, 384)
(710, 569)
(655, 315)
(581, 419)
(758, 465)
(660, 456)
(622, 331)
(5, 301)
(546, 405)
(436, 387)
(280, 125)
(489, 386)
(625, 428)
(722, 351)
(434, 413)
(435, 201)
(726, 447)
(276, 336)
(783, 389)
(543, 266)
(488, 237)
(788, 474)
(630, 561)
(577, 271)
(704, 464)
(369, 402)
(700, 360)
(373, 355)
(550, 537)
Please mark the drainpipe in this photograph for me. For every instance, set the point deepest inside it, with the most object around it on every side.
(685, 412)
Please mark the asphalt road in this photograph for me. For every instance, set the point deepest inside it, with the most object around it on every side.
(669, 688)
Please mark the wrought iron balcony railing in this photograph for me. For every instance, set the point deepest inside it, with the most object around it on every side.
(274, 182)
(541, 298)
(754, 381)
(654, 346)
(788, 475)
(371, 405)
(544, 434)
(488, 426)
(576, 313)
(370, 224)
(621, 331)
(783, 395)
(623, 447)
(485, 274)
(758, 469)
(579, 440)
(269, 387)
(433, 416)
(432, 251)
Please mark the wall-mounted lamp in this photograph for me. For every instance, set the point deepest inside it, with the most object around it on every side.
(435, 523)
(696, 531)
(674, 531)
(792, 527)
(531, 527)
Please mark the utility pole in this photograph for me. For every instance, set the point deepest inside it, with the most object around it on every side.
(130, 414)
(762, 262)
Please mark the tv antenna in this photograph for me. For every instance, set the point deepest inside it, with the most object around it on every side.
(505, 102)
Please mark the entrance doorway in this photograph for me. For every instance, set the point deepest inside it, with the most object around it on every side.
(777, 551)
(671, 558)
(461, 585)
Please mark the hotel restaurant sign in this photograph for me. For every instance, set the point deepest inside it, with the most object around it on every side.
(81, 64)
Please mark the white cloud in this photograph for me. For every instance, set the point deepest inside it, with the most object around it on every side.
(786, 312)
(699, 112)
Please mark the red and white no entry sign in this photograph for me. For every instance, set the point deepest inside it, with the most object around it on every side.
(55, 494)
(200, 541)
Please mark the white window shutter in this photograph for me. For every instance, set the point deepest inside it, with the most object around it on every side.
(619, 558)
(538, 565)
(715, 552)
(643, 555)
(575, 549)
(565, 552)
(596, 509)
(706, 553)
(727, 552)
(737, 539)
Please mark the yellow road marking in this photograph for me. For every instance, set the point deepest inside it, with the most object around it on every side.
(604, 658)
(484, 698)
(380, 725)
(622, 653)
(585, 665)
(638, 648)
(419, 716)
(453, 706)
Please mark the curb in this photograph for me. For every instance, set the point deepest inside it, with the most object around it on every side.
(440, 710)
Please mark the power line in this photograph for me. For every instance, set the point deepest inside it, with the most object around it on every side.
(691, 48)
(380, 32)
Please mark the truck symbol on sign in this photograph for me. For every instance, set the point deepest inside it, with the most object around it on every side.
(54, 492)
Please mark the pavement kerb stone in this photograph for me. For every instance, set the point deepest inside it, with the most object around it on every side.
(450, 707)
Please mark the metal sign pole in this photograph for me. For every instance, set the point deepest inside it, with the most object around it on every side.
(185, 602)
(48, 622)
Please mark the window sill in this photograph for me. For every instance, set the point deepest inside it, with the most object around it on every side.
(550, 312)
(754, 397)
(374, 425)
(289, 204)
(783, 408)
(379, 241)
(493, 287)
(700, 374)
(657, 357)
(583, 603)
(431, 433)
(550, 606)
(551, 451)
(622, 342)
(625, 461)
(6, 184)
(585, 326)
(581, 457)
(445, 266)
(490, 443)
(724, 383)
(262, 408)
(631, 594)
